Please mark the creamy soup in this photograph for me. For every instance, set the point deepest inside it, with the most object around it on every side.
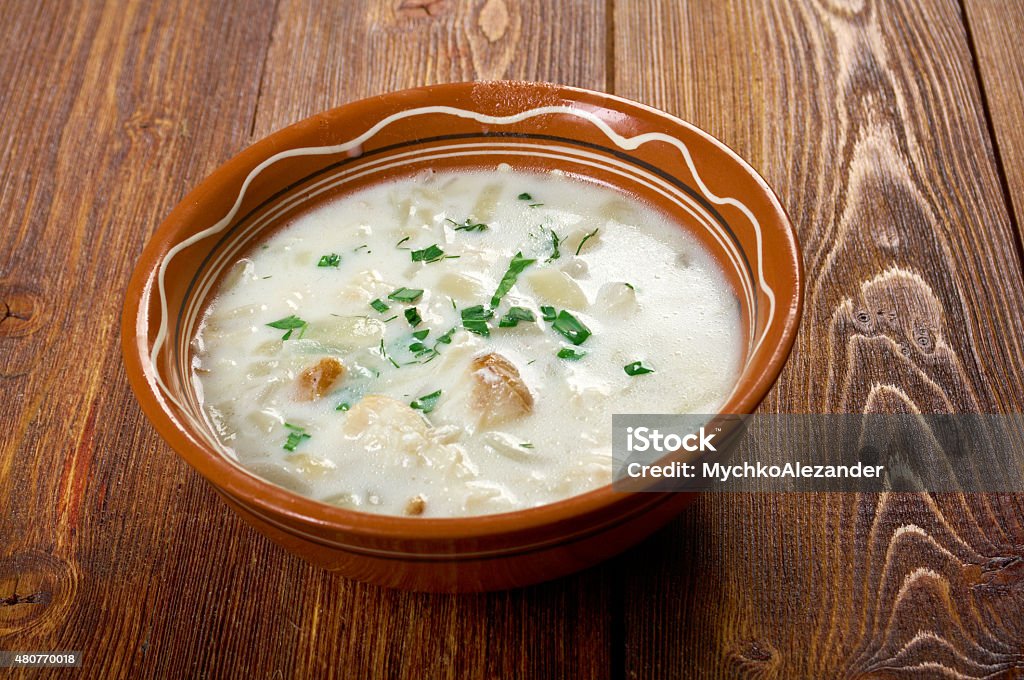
(456, 343)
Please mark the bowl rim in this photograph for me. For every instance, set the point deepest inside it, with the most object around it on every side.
(272, 500)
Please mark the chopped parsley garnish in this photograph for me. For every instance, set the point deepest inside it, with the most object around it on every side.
(399, 244)
(525, 197)
(636, 368)
(474, 319)
(630, 286)
(356, 250)
(419, 335)
(289, 323)
(445, 339)
(332, 260)
(527, 445)
(412, 315)
(555, 241)
(429, 353)
(515, 268)
(406, 295)
(428, 254)
(384, 355)
(585, 239)
(343, 406)
(515, 315)
(548, 313)
(427, 402)
(571, 353)
(391, 318)
(468, 225)
(380, 305)
(571, 327)
(295, 437)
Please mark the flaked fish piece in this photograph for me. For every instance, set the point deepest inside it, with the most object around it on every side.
(378, 410)
(317, 380)
(499, 394)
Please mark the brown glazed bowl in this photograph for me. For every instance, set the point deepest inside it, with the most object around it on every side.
(661, 159)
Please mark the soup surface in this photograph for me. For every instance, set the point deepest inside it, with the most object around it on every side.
(456, 343)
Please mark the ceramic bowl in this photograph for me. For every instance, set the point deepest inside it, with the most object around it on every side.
(657, 157)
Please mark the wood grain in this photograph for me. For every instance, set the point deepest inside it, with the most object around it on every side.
(325, 54)
(867, 119)
(995, 28)
(111, 113)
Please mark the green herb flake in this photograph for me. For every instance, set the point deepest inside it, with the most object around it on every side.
(445, 339)
(399, 244)
(356, 250)
(332, 260)
(525, 197)
(412, 315)
(295, 437)
(429, 254)
(343, 406)
(585, 239)
(427, 402)
(527, 445)
(406, 295)
(420, 335)
(384, 355)
(515, 268)
(380, 305)
(636, 368)
(474, 319)
(391, 318)
(571, 354)
(548, 313)
(515, 315)
(468, 225)
(477, 312)
(555, 242)
(289, 323)
(572, 328)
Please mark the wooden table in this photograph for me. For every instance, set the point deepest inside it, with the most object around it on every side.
(893, 132)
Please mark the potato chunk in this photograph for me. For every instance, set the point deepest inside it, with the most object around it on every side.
(617, 298)
(499, 393)
(317, 380)
(416, 505)
(555, 286)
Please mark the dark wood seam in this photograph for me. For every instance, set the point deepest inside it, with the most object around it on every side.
(1004, 183)
(263, 68)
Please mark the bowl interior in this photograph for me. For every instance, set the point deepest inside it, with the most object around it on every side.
(663, 161)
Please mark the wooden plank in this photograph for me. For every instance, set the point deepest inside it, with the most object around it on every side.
(995, 27)
(110, 113)
(867, 119)
(323, 55)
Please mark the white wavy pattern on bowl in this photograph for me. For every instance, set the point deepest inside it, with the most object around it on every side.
(356, 143)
